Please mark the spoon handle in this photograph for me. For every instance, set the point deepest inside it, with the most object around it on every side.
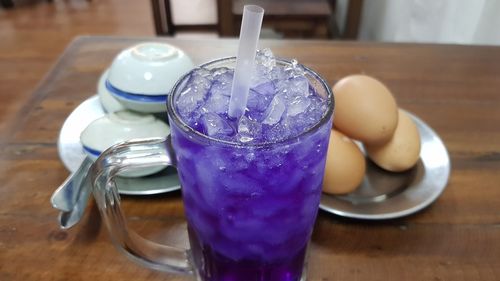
(68, 219)
(66, 195)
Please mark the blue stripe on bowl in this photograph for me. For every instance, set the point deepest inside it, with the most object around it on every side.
(91, 151)
(135, 97)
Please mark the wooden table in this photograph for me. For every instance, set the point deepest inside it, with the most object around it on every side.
(455, 89)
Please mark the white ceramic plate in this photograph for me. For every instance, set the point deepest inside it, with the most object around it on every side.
(387, 195)
(71, 153)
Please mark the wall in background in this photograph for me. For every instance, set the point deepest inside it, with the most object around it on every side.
(194, 11)
(437, 21)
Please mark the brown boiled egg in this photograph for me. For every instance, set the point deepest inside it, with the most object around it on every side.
(345, 165)
(402, 151)
(365, 109)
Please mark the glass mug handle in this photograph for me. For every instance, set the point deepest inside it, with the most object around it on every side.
(138, 154)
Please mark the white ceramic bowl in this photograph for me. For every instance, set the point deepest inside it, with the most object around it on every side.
(141, 76)
(120, 126)
(108, 102)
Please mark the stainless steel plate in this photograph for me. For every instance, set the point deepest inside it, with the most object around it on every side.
(71, 153)
(387, 195)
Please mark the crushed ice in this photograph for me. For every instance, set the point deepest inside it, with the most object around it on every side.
(281, 101)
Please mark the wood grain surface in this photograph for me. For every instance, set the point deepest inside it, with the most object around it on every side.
(455, 89)
(34, 33)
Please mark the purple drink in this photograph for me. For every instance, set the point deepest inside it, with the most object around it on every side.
(251, 186)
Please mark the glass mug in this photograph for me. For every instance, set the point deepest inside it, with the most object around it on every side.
(250, 208)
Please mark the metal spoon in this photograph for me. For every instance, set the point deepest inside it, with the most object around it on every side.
(66, 195)
(68, 219)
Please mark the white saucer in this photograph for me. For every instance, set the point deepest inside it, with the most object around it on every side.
(71, 153)
(387, 195)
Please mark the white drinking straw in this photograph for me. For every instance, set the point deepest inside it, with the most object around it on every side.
(249, 36)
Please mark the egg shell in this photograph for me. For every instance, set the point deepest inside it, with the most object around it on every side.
(402, 151)
(365, 109)
(345, 165)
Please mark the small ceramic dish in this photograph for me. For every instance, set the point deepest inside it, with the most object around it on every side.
(108, 102)
(118, 127)
(71, 153)
(141, 76)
